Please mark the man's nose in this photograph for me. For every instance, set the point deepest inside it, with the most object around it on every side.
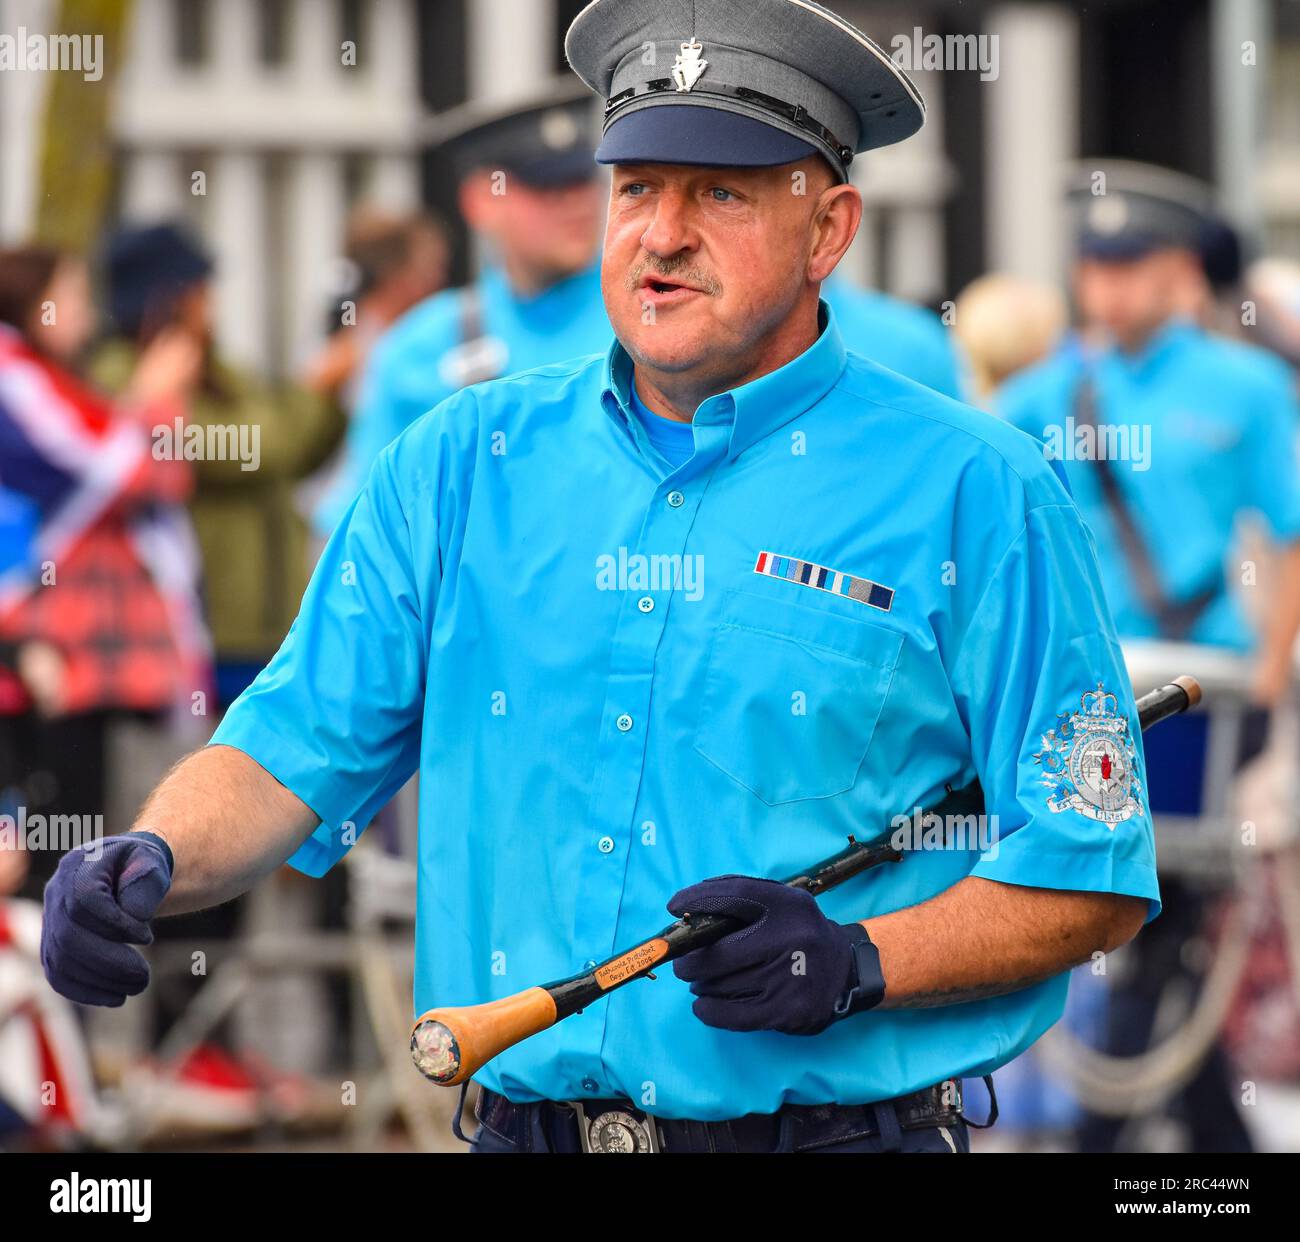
(672, 229)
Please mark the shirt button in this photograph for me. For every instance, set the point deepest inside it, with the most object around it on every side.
(646, 604)
(624, 723)
(676, 499)
(605, 845)
(590, 1086)
(589, 964)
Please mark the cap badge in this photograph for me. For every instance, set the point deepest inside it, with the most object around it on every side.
(559, 129)
(1108, 214)
(688, 66)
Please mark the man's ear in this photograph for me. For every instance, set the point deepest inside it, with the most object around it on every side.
(834, 225)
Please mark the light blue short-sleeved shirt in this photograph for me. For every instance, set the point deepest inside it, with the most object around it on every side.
(1201, 431)
(617, 678)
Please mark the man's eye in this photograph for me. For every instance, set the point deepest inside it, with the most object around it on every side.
(721, 195)
(633, 187)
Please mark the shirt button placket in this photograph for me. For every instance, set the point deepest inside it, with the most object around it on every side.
(622, 758)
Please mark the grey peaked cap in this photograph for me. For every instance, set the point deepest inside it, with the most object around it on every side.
(790, 64)
(1140, 203)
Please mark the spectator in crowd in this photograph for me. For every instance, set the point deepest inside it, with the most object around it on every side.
(391, 262)
(103, 619)
(250, 443)
(1272, 293)
(1006, 323)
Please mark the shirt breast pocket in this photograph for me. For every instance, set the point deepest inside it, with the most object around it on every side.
(791, 696)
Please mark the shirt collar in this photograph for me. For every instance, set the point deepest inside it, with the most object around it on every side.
(758, 408)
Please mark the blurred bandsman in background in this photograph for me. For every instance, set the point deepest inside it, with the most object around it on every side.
(530, 192)
(1170, 434)
(392, 261)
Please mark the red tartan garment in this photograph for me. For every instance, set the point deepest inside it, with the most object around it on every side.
(110, 609)
(110, 624)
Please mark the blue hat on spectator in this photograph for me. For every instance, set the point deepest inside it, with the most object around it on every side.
(146, 270)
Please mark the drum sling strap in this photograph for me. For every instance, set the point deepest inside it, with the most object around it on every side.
(473, 338)
(1174, 619)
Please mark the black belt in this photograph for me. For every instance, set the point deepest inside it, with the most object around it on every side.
(617, 1125)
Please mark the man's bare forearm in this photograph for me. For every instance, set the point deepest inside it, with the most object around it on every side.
(229, 823)
(1273, 674)
(981, 938)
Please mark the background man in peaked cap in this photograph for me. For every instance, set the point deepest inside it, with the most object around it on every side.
(873, 593)
(1213, 424)
(531, 196)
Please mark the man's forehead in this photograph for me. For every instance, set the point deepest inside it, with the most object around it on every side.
(767, 81)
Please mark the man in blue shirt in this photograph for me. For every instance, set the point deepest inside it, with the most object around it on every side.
(537, 298)
(530, 193)
(622, 668)
(1170, 435)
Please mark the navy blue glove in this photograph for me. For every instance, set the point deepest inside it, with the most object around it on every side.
(95, 909)
(790, 969)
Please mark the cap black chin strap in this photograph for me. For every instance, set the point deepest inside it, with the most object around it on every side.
(796, 114)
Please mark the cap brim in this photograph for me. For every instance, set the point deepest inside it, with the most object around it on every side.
(1119, 248)
(546, 172)
(690, 134)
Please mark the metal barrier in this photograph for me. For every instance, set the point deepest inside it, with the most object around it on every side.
(1193, 761)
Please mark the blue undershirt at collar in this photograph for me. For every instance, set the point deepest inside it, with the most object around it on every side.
(672, 437)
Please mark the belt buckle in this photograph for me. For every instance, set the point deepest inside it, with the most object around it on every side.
(618, 1130)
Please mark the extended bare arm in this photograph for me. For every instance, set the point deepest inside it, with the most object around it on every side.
(229, 823)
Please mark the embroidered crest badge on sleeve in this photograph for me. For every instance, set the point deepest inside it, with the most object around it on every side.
(1089, 762)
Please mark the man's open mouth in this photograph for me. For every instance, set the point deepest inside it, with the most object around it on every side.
(655, 285)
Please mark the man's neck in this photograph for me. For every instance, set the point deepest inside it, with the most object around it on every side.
(679, 394)
(1139, 342)
(529, 280)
